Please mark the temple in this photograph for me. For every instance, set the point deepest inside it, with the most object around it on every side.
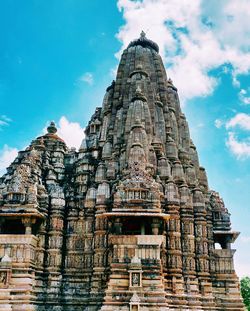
(128, 222)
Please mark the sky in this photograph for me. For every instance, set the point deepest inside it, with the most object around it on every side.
(58, 57)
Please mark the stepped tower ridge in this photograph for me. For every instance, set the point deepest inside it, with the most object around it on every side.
(127, 222)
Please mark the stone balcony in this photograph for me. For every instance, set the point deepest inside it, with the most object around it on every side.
(19, 247)
(144, 247)
(224, 260)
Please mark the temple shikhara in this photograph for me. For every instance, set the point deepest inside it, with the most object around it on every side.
(128, 222)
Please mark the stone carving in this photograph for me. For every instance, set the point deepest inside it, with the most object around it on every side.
(3, 278)
(135, 279)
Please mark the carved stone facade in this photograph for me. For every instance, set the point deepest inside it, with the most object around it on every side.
(128, 222)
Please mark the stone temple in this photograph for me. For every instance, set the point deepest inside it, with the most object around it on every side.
(126, 223)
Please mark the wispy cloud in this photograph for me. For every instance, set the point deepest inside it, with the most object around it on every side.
(236, 141)
(241, 120)
(244, 98)
(4, 121)
(87, 77)
(192, 45)
(241, 149)
(7, 155)
(218, 123)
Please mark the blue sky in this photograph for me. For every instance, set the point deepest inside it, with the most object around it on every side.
(58, 57)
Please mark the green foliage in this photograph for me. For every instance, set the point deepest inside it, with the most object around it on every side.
(245, 291)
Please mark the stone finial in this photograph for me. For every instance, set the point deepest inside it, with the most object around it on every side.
(52, 128)
(142, 35)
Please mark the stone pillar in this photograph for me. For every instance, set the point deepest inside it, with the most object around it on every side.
(174, 278)
(155, 226)
(28, 222)
(188, 247)
(99, 276)
(201, 248)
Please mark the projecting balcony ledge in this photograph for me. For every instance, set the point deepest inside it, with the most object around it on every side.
(134, 214)
(230, 236)
(18, 210)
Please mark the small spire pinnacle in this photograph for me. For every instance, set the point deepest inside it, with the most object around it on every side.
(138, 91)
(52, 128)
(142, 35)
(139, 94)
(139, 66)
(137, 121)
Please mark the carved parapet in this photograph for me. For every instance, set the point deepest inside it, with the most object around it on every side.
(144, 247)
(20, 248)
(137, 196)
(224, 261)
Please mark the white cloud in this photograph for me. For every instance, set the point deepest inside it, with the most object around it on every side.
(218, 123)
(7, 155)
(242, 120)
(71, 132)
(241, 149)
(87, 77)
(194, 37)
(243, 97)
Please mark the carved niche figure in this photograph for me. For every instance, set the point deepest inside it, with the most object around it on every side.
(136, 279)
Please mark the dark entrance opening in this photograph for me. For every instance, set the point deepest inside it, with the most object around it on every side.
(13, 226)
(136, 226)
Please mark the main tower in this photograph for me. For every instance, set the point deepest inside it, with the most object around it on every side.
(126, 223)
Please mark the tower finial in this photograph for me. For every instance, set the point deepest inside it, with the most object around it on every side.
(142, 35)
(52, 128)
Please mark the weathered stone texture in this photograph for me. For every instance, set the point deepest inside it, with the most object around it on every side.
(128, 222)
